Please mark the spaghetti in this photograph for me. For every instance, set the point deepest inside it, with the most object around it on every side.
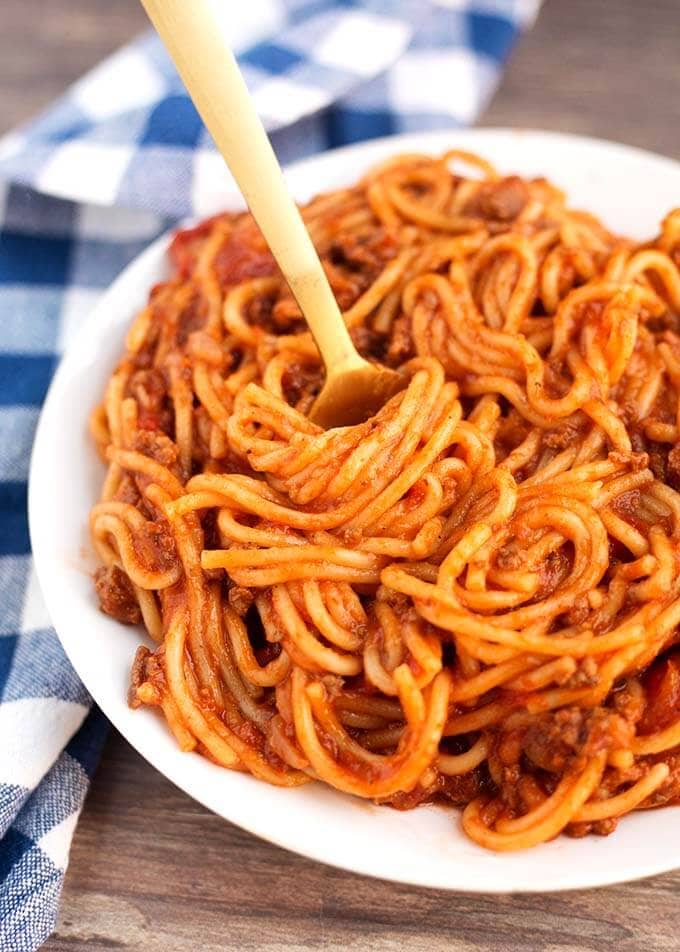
(472, 597)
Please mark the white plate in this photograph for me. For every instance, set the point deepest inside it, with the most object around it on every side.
(631, 190)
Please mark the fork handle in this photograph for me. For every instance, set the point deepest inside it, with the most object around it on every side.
(194, 32)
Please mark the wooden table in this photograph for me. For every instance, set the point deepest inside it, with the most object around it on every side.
(153, 871)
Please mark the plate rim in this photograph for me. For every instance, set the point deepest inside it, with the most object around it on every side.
(156, 249)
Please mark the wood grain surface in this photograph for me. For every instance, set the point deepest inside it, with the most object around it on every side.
(151, 871)
(46, 44)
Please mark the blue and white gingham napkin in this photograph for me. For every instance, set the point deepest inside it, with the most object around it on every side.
(324, 73)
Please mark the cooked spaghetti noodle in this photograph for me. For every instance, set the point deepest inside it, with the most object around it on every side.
(472, 597)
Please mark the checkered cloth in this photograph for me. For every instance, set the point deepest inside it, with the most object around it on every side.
(323, 73)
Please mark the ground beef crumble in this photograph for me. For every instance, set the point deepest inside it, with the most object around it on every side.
(116, 595)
